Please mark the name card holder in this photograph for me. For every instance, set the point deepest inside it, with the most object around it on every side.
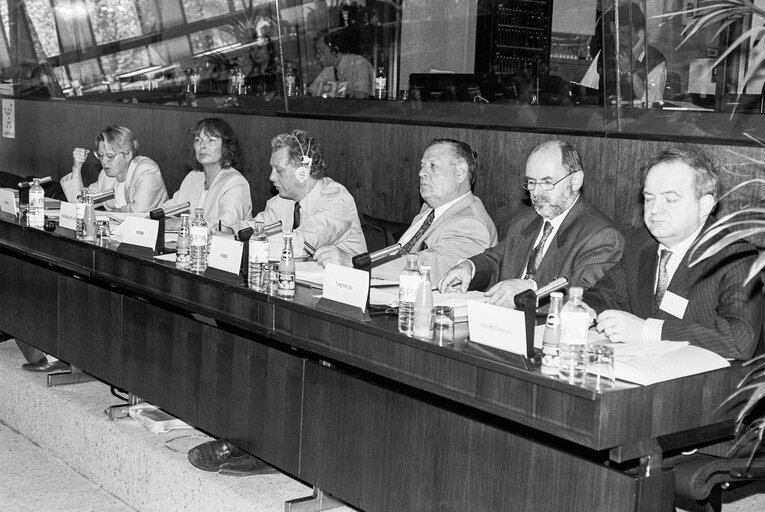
(225, 260)
(345, 292)
(67, 224)
(9, 201)
(140, 237)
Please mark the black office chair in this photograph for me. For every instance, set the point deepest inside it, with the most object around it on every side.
(380, 233)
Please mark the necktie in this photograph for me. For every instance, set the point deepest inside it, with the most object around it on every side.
(663, 280)
(296, 217)
(416, 238)
(535, 258)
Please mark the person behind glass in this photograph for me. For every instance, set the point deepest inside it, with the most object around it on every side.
(334, 51)
(653, 294)
(213, 182)
(136, 180)
(642, 68)
(263, 76)
(318, 210)
(562, 235)
(452, 224)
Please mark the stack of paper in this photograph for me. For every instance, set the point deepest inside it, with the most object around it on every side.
(458, 302)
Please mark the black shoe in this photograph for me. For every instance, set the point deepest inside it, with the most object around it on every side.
(45, 366)
(211, 455)
(246, 466)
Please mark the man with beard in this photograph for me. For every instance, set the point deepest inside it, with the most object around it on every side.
(563, 236)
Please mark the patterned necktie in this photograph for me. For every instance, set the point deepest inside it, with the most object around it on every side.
(663, 280)
(416, 238)
(535, 258)
(296, 217)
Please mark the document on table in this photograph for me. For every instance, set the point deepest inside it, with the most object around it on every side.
(648, 363)
(458, 302)
(311, 273)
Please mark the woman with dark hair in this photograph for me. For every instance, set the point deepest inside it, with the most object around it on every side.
(263, 77)
(213, 183)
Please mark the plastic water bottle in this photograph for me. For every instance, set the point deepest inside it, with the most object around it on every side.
(381, 84)
(408, 283)
(183, 245)
(290, 81)
(198, 241)
(551, 339)
(575, 320)
(257, 268)
(36, 205)
(287, 269)
(423, 306)
(79, 231)
(89, 220)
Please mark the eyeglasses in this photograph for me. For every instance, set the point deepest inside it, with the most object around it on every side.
(108, 157)
(547, 186)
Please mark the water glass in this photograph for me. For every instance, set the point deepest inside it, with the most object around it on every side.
(600, 366)
(443, 325)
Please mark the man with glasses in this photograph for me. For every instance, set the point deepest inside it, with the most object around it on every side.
(562, 236)
(136, 180)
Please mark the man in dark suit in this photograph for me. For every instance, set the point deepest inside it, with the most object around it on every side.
(563, 235)
(653, 295)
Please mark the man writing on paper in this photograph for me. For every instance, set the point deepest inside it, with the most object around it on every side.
(452, 223)
(652, 294)
(561, 236)
(318, 210)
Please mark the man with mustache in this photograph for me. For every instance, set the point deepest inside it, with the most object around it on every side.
(563, 235)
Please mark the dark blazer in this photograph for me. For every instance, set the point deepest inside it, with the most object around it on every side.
(721, 315)
(585, 246)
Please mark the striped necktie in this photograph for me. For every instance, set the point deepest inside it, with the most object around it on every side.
(416, 238)
(662, 281)
(535, 258)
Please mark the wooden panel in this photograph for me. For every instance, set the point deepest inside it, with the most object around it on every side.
(364, 442)
(29, 305)
(232, 387)
(90, 330)
(377, 162)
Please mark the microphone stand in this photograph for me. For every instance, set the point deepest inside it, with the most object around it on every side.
(527, 301)
(159, 215)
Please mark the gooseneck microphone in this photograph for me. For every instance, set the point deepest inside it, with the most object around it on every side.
(100, 197)
(27, 184)
(367, 260)
(161, 213)
(552, 286)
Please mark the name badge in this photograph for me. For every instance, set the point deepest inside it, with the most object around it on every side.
(346, 285)
(8, 198)
(225, 254)
(673, 304)
(68, 217)
(497, 326)
(139, 231)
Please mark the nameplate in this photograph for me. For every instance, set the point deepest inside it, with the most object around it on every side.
(140, 232)
(225, 254)
(497, 326)
(8, 201)
(68, 218)
(346, 285)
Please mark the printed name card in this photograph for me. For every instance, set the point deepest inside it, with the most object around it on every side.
(8, 199)
(346, 285)
(497, 326)
(140, 232)
(225, 254)
(68, 218)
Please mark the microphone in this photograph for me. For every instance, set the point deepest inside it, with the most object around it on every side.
(27, 184)
(367, 260)
(274, 228)
(552, 286)
(100, 197)
(161, 213)
(244, 235)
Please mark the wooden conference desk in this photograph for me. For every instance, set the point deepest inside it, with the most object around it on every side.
(382, 421)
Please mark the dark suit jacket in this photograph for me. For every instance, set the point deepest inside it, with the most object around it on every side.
(585, 246)
(721, 315)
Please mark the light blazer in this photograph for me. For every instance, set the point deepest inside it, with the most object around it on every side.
(463, 230)
(721, 315)
(143, 192)
(584, 247)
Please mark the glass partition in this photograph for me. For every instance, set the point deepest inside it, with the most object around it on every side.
(563, 65)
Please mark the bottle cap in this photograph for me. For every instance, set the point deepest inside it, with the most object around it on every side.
(575, 291)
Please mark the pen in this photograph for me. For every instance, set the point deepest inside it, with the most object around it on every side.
(309, 249)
